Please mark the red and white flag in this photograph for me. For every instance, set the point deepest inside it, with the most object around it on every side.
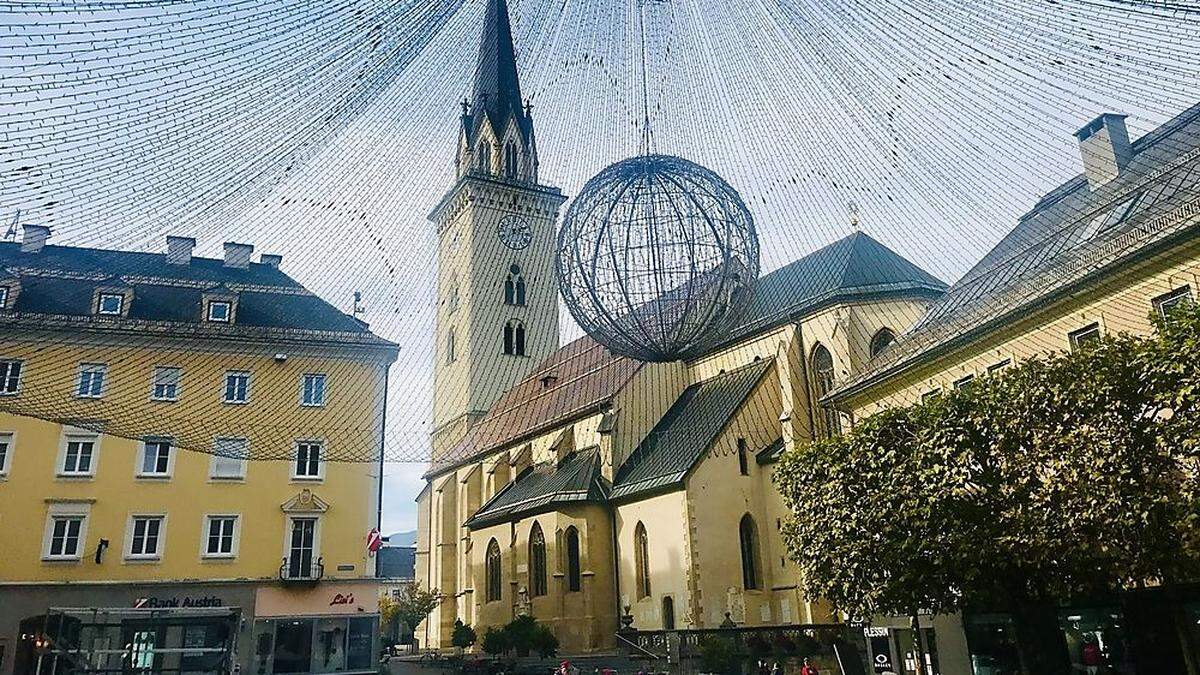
(374, 540)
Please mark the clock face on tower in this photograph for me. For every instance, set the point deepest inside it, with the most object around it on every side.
(514, 232)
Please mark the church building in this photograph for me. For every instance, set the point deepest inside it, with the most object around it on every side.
(580, 486)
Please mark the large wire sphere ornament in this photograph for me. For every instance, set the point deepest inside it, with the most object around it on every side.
(656, 256)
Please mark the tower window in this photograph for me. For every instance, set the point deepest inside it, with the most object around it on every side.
(514, 287)
(450, 347)
(514, 338)
(510, 160)
(743, 460)
(484, 159)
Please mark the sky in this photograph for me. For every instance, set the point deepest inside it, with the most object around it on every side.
(325, 132)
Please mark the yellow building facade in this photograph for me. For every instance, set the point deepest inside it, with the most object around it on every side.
(180, 433)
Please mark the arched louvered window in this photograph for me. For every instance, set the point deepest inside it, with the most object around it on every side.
(484, 157)
(822, 376)
(748, 536)
(514, 287)
(450, 356)
(493, 571)
(514, 338)
(510, 160)
(641, 561)
(883, 338)
(537, 561)
(574, 580)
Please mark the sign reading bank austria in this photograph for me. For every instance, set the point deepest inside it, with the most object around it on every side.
(357, 597)
(171, 602)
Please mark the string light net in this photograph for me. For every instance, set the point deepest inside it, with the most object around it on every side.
(655, 256)
(326, 132)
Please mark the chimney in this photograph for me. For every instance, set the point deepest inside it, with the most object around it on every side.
(271, 260)
(238, 255)
(34, 238)
(179, 250)
(1105, 149)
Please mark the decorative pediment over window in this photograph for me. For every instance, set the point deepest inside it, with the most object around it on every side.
(305, 502)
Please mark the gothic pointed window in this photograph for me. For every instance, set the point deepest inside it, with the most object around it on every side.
(537, 561)
(574, 575)
(493, 571)
(483, 161)
(641, 561)
(510, 160)
(450, 347)
(748, 536)
(514, 287)
(514, 338)
(822, 383)
(883, 338)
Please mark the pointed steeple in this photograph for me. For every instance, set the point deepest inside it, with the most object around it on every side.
(497, 85)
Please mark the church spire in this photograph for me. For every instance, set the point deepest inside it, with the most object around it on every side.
(497, 86)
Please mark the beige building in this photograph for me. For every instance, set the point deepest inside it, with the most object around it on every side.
(1098, 255)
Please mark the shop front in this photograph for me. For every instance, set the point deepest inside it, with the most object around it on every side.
(328, 628)
(114, 627)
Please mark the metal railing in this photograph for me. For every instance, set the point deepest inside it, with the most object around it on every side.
(300, 570)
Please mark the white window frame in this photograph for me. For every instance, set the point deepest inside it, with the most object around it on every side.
(208, 311)
(287, 535)
(119, 297)
(66, 510)
(965, 381)
(160, 542)
(154, 383)
(4, 381)
(205, 526)
(1001, 365)
(91, 369)
(1084, 332)
(320, 475)
(9, 440)
(212, 465)
(225, 387)
(79, 435)
(1164, 303)
(140, 465)
(3, 297)
(324, 389)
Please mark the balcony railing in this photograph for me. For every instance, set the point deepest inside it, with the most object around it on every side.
(302, 570)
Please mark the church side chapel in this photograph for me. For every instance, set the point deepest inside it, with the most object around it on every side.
(586, 488)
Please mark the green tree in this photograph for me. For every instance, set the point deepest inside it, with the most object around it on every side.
(413, 604)
(1070, 474)
(463, 635)
(495, 641)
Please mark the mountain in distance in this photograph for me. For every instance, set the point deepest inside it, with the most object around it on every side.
(408, 538)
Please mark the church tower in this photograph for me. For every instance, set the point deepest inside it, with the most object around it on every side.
(497, 313)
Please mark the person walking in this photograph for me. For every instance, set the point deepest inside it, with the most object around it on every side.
(809, 668)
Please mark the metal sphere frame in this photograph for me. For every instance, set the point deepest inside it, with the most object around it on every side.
(656, 256)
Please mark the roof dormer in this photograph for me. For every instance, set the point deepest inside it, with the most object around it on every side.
(112, 298)
(219, 305)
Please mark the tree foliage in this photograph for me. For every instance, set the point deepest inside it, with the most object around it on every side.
(463, 635)
(1068, 474)
(413, 604)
